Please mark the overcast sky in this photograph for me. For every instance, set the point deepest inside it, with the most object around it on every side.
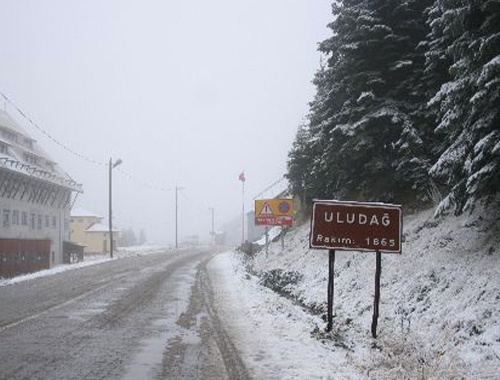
(187, 93)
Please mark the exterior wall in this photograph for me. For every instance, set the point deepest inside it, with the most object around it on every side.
(78, 225)
(94, 241)
(22, 220)
(23, 256)
(98, 242)
(35, 195)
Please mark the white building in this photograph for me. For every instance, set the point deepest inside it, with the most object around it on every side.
(35, 199)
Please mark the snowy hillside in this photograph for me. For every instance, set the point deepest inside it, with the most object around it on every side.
(440, 299)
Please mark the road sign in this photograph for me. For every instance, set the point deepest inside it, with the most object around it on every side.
(356, 226)
(274, 212)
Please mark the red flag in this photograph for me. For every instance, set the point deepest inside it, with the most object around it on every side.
(242, 176)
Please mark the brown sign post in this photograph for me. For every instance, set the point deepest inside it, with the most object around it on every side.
(356, 226)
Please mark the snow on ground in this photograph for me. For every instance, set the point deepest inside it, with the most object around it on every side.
(273, 335)
(89, 260)
(439, 311)
(271, 234)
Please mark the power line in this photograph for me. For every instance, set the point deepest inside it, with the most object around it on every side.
(48, 135)
(142, 182)
(270, 187)
(37, 126)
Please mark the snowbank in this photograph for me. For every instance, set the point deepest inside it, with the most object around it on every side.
(439, 311)
(273, 335)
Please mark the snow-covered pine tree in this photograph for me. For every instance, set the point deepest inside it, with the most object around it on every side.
(128, 238)
(300, 163)
(142, 237)
(467, 33)
(307, 172)
(374, 135)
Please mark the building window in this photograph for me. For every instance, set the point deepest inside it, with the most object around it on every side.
(15, 217)
(4, 149)
(24, 218)
(47, 221)
(6, 218)
(33, 221)
(54, 221)
(39, 222)
(28, 143)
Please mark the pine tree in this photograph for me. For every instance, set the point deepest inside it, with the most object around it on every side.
(299, 163)
(142, 238)
(467, 34)
(128, 238)
(367, 130)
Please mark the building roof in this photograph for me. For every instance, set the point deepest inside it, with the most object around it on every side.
(79, 212)
(25, 156)
(99, 227)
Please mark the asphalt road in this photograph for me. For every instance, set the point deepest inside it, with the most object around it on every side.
(137, 318)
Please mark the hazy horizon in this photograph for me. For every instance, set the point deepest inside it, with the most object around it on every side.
(187, 94)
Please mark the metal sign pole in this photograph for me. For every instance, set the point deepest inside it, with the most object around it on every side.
(356, 226)
(267, 241)
(331, 267)
(282, 238)
(376, 301)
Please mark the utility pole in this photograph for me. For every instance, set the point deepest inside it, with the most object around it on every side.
(213, 225)
(177, 188)
(242, 179)
(243, 212)
(111, 167)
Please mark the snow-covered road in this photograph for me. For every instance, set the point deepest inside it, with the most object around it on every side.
(145, 317)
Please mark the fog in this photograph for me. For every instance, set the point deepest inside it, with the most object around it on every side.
(186, 93)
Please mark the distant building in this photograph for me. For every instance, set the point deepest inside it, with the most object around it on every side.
(82, 219)
(35, 199)
(88, 230)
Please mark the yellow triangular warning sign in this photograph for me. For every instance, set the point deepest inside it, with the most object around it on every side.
(266, 210)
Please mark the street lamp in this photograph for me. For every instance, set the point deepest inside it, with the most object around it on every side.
(177, 188)
(213, 225)
(111, 167)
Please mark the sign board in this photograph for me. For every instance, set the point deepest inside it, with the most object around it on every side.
(274, 212)
(356, 226)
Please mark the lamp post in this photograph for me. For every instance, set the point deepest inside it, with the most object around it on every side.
(177, 188)
(213, 225)
(111, 167)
